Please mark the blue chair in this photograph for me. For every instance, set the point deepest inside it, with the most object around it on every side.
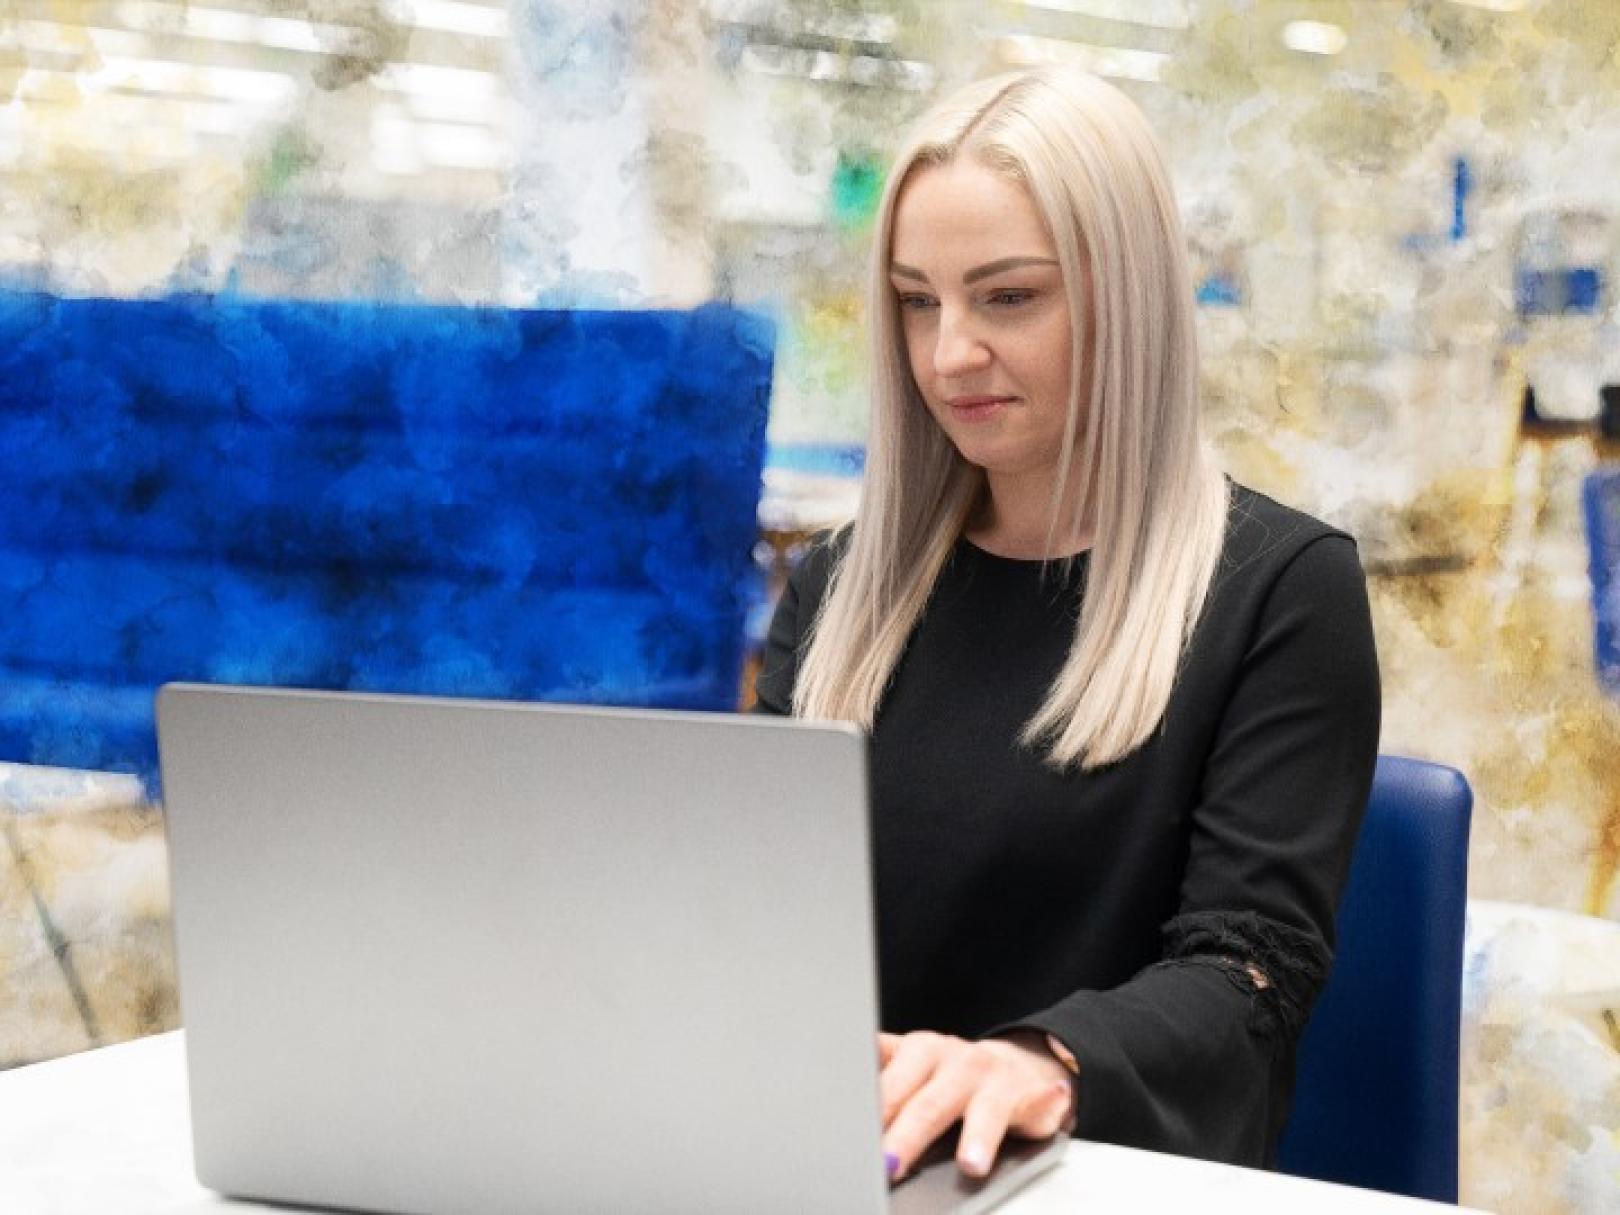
(1600, 498)
(1375, 1103)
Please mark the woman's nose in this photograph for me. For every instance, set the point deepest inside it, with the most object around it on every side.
(958, 347)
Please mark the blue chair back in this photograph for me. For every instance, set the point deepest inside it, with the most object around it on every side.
(1375, 1103)
(1600, 497)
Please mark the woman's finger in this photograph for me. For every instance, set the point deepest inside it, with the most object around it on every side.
(986, 1121)
(925, 1116)
(886, 1045)
(911, 1064)
(1042, 1109)
(1046, 1094)
(1008, 1102)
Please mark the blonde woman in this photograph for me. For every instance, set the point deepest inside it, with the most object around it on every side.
(1123, 712)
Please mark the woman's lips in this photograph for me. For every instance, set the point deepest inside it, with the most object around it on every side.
(976, 409)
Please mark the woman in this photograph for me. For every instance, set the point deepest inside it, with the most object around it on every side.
(1123, 712)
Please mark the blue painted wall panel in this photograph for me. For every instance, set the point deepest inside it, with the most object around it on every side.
(545, 505)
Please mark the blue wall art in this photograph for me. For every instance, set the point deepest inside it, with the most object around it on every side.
(462, 501)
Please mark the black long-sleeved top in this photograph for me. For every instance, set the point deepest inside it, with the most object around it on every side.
(1118, 910)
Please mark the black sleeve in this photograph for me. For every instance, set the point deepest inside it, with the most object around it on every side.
(790, 624)
(1192, 1055)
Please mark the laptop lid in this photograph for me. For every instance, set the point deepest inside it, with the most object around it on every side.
(451, 955)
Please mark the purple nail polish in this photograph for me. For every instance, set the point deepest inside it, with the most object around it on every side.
(891, 1162)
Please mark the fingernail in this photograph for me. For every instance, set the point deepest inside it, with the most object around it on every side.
(892, 1163)
(976, 1160)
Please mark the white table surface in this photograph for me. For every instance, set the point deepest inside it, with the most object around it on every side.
(109, 1131)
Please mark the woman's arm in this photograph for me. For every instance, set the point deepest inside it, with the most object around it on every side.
(1195, 1054)
(788, 634)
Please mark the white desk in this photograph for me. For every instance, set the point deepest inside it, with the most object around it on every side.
(109, 1131)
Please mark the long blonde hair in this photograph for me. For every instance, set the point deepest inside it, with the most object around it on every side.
(1145, 477)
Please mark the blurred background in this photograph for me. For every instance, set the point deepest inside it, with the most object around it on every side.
(1402, 216)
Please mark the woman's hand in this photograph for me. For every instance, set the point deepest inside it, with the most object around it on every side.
(995, 1086)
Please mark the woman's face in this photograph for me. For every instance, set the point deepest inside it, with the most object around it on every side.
(985, 315)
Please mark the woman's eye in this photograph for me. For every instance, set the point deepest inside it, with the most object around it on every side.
(916, 301)
(1011, 297)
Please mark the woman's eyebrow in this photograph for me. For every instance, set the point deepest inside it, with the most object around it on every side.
(978, 272)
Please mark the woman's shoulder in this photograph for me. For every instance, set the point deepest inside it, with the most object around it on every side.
(820, 556)
(1261, 529)
(1265, 538)
(1287, 583)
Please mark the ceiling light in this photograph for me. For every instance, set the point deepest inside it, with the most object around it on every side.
(474, 108)
(138, 43)
(226, 25)
(1161, 14)
(202, 116)
(165, 76)
(451, 16)
(401, 146)
(462, 147)
(136, 74)
(431, 80)
(878, 28)
(76, 39)
(1314, 37)
(216, 24)
(122, 83)
(122, 143)
(770, 59)
(393, 144)
(854, 27)
(1124, 63)
(445, 94)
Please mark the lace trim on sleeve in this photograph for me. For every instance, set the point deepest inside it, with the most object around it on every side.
(1294, 964)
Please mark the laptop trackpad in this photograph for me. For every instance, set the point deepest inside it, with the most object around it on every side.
(938, 1186)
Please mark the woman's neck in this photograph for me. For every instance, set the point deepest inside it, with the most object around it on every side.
(1012, 517)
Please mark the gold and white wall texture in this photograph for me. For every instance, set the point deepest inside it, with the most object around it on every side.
(1403, 219)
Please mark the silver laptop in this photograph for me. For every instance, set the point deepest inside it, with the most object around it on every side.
(466, 956)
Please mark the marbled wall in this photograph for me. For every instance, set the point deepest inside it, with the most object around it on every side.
(85, 951)
(1375, 230)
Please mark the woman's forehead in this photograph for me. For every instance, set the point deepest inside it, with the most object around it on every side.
(962, 211)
